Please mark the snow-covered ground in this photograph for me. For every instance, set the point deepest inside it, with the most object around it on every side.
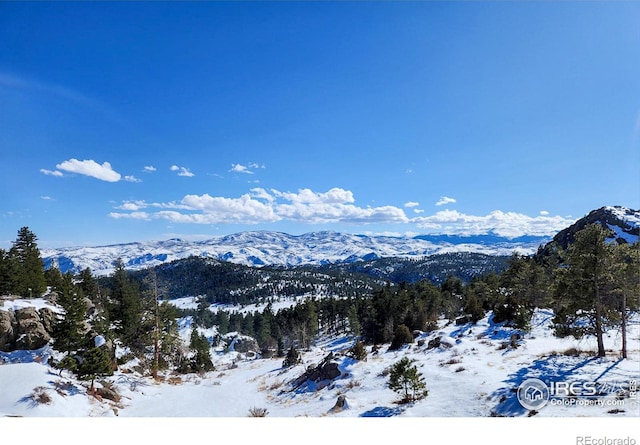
(472, 374)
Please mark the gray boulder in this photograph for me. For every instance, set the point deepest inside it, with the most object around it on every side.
(31, 332)
(7, 330)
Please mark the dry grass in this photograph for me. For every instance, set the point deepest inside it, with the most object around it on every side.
(40, 396)
(258, 412)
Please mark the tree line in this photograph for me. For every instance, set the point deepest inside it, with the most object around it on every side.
(592, 286)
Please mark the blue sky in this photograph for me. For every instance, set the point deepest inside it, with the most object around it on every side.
(125, 121)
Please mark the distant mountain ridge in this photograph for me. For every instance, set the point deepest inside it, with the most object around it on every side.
(262, 248)
(265, 248)
(623, 225)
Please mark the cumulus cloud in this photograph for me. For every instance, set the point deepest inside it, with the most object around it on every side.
(411, 204)
(444, 200)
(91, 168)
(51, 172)
(182, 171)
(263, 206)
(149, 169)
(508, 224)
(246, 169)
(544, 212)
(132, 179)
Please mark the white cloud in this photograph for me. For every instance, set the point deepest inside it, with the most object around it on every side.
(262, 206)
(246, 169)
(149, 169)
(182, 171)
(239, 168)
(544, 212)
(132, 205)
(132, 179)
(411, 204)
(445, 200)
(47, 198)
(51, 172)
(334, 196)
(133, 215)
(509, 224)
(418, 211)
(91, 168)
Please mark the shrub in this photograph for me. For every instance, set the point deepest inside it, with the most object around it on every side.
(405, 379)
(40, 396)
(401, 336)
(292, 358)
(258, 412)
(358, 352)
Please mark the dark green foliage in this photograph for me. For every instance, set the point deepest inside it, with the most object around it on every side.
(126, 310)
(405, 379)
(401, 336)
(95, 363)
(473, 308)
(292, 358)
(585, 285)
(25, 266)
(199, 345)
(358, 351)
(69, 331)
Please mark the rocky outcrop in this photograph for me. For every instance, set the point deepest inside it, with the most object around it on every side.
(31, 333)
(244, 345)
(26, 328)
(7, 332)
(327, 369)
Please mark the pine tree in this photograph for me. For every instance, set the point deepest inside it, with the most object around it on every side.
(627, 284)
(354, 321)
(405, 379)
(5, 273)
(95, 363)
(126, 309)
(401, 336)
(69, 331)
(201, 361)
(26, 265)
(292, 358)
(585, 286)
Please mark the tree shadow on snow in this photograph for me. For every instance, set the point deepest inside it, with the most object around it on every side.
(554, 368)
(382, 411)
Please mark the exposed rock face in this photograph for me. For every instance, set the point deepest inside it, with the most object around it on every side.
(7, 332)
(31, 331)
(328, 369)
(25, 328)
(48, 318)
(245, 344)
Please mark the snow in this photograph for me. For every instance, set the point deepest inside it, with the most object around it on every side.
(266, 248)
(15, 303)
(472, 375)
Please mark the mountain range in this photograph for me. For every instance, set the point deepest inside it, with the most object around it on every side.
(265, 248)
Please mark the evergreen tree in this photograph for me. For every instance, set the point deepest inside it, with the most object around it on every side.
(405, 379)
(201, 360)
(292, 358)
(585, 286)
(69, 331)
(126, 310)
(95, 363)
(5, 273)
(354, 321)
(26, 265)
(627, 288)
(358, 351)
(401, 336)
(54, 279)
